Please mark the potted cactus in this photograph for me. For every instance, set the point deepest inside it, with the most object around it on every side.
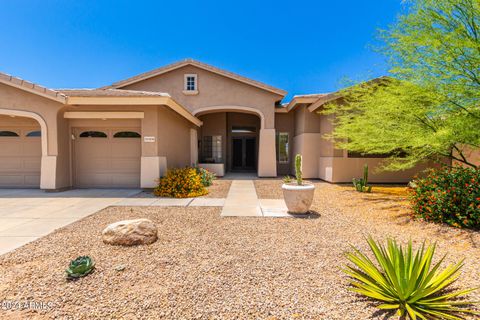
(298, 195)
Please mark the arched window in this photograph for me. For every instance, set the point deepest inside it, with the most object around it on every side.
(37, 133)
(8, 134)
(93, 134)
(127, 134)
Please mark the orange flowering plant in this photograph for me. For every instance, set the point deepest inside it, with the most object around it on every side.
(181, 183)
(448, 195)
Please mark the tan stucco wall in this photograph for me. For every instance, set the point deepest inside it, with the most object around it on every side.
(16, 99)
(42, 109)
(63, 174)
(340, 170)
(306, 121)
(214, 90)
(173, 138)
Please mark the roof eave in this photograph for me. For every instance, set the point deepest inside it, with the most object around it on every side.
(139, 101)
(299, 100)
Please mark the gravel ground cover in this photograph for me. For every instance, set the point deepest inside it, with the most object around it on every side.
(207, 267)
(219, 189)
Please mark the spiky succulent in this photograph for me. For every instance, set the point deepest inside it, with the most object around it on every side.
(80, 267)
(408, 281)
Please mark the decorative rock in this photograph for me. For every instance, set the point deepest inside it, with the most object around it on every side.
(130, 232)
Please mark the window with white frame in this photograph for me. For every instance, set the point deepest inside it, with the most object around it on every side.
(282, 147)
(190, 83)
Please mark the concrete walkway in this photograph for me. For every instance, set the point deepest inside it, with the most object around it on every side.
(242, 201)
(26, 215)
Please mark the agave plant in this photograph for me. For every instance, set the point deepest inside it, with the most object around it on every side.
(406, 281)
(80, 267)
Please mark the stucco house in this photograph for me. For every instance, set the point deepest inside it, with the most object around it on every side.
(129, 133)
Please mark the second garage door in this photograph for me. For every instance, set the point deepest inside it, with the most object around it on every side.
(107, 157)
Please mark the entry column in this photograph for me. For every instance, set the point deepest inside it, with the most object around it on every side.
(152, 166)
(267, 160)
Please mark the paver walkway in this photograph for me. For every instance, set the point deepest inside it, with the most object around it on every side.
(242, 201)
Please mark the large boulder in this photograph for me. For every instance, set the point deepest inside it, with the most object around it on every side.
(130, 232)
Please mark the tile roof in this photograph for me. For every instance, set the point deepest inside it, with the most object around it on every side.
(31, 87)
(110, 93)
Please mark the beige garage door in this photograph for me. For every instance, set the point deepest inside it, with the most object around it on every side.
(20, 157)
(107, 157)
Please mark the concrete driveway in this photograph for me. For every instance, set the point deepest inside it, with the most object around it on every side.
(26, 215)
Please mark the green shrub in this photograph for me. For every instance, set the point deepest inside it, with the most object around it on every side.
(80, 267)
(449, 195)
(206, 176)
(181, 183)
(408, 281)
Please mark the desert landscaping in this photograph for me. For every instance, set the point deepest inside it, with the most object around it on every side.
(205, 266)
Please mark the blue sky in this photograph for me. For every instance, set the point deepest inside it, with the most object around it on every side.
(300, 46)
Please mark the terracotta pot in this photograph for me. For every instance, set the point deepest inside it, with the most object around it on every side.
(298, 198)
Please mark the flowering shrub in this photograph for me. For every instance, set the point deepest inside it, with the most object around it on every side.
(206, 176)
(449, 195)
(181, 183)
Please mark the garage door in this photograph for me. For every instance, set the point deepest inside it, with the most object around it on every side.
(107, 158)
(20, 157)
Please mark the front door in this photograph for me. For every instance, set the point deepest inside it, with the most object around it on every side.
(243, 153)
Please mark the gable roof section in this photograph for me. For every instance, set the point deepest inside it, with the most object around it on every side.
(32, 87)
(198, 64)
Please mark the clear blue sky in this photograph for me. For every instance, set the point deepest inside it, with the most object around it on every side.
(300, 46)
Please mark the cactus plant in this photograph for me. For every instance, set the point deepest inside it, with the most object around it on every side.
(80, 267)
(361, 185)
(298, 169)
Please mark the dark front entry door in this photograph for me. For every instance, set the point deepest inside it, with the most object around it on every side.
(243, 153)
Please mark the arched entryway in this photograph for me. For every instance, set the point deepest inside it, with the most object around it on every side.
(229, 139)
(21, 149)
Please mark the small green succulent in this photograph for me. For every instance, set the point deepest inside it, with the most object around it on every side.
(80, 267)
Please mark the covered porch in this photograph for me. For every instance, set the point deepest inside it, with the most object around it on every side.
(235, 141)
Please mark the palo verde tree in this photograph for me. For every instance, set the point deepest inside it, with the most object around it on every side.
(429, 109)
